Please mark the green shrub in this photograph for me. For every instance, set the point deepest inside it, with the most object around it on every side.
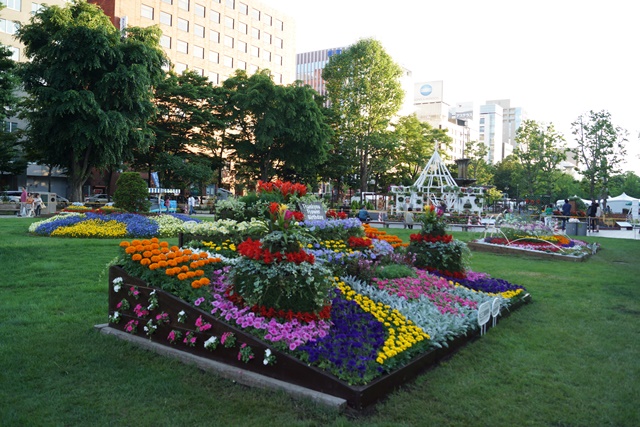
(395, 271)
(132, 193)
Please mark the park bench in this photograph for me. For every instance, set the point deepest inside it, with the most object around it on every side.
(9, 208)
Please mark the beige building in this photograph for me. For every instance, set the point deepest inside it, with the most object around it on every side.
(215, 37)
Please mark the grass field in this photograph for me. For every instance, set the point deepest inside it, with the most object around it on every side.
(570, 358)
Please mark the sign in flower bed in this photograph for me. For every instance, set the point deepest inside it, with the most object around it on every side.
(326, 304)
(534, 239)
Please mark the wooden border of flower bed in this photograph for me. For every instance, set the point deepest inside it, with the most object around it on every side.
(506, 250)
(286, 368)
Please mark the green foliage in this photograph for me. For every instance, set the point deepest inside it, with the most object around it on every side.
(394, 271)
(12, 160)
(365, 93)
(89, 89)
(540, 150)
(600, 150)
(478, 168)
(131, 193)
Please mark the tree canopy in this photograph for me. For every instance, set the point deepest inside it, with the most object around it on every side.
(89, 87)
(600, 150)
(365, 93)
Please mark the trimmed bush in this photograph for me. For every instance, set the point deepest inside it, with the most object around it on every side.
(132, 193)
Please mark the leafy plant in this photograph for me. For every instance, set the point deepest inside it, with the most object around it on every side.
(131, 193)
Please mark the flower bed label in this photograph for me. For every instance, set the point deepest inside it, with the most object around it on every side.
(313, 211)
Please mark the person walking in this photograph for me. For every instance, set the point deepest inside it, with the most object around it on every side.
(566, 213)
(23, 202)
(37, 204)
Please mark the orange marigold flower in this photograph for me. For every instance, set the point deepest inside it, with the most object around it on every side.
(154, 240)
(139, 248)
(195, 257)
(135, 242)
(153, 266)
(196, 284)
(191, 274)
(215, 260)
(147, 254)
(193, 265)
(146, 242)
(164, 244)
(156, 251)
(187, 251)
(130, 250)
(185, 268)
(162, 264)
(136, 257)
(182, 276)
(170, 272)
(145, 261)
(172, 263)
(171, 255)
(199, 272)
(124, 244)
(175, 248)
(154, 259)
(164, 250)
(205, 281)
(155, 246)
(204, 255)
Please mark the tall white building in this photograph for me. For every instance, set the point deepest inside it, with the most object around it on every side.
(512, 119)
(490, 132)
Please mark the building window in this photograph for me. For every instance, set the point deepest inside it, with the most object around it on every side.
(180, 67)
(278, 42)
(242, 27)
(13, 4)
(168, 1)
(198, 30)
(229, 22)
(228, 41)
(253, 69)
(199, 10)
(242, 46)
(182, 46)
(214, 78)
(9, 27)
(243, 8)
(255, 51)
(481, 120)
(183, 24)
(255, 14)
(279, 25)
(198, 52)
(266, 19)
(10, 127)
(165, 41)
(146, 11)
(228, 61)
(266, 37)
(214, 16)
(241, 65)
(15, 53)
(183, 4)
(481, 128)
(214, 57)
(277, 59)
(214, 36)
(35, 8)
(199, 71)
(266, 55)
(231, 3)
(277, 78)
(166, 18)
(255, 33)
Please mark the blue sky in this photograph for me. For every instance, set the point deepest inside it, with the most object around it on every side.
(556, 59)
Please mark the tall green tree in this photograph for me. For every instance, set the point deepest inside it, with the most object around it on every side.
(89, 87)
(505, 177)
(540, 150)
(182, 128)
(279, 131)
(415, 144)
(478, 167)
(12, 160)
(600, 150)
(365, 93)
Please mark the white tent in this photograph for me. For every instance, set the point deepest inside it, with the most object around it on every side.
(623, 201)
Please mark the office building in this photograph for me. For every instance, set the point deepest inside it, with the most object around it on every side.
(215, 37)
(512, 119)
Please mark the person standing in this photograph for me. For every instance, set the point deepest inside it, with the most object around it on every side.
(598, 215)
(37, 204)
(548, 215)
(29, 205)
(191, 201)
(566, 213)
(167, 203)
(408, 218)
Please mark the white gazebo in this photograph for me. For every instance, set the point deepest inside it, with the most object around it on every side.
(623, 201)
(436, 185)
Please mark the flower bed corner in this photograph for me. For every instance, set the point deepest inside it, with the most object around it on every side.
(144, 311)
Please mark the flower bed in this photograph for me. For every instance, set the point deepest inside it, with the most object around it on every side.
(536, 240)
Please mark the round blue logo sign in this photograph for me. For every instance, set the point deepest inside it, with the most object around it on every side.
(425, 90)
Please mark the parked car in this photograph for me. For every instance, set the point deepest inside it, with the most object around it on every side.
(98, 199)
(10, 196)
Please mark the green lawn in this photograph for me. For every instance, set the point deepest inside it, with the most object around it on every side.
(570, 358)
